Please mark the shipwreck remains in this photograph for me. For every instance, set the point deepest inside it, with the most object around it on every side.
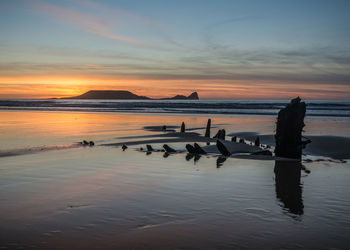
(207, 130)
(220, 134)
(290, 123)
(183, 128)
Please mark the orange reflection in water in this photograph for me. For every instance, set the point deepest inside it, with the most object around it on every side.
(20, 129)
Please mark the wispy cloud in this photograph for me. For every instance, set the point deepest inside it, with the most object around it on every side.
(83, 21)
(232, 20)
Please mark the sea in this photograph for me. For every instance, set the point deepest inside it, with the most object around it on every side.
(323, 108)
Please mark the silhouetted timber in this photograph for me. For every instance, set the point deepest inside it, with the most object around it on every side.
(124, 147)
(164, 127)
(190, 149)
(91, 143)
(220, 134)
(288, 187)
(126, 95)
(290, 123)
(241, 140)
(222, 148)
(183, 129)
(149, 148)
(257, 141)
(168, 149)
(217, 134)
(207, 130)
(234, 139)
(85, 142)
(223, 134)
(196, 149)
(199, 150)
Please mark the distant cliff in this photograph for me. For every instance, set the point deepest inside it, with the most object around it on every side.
(193, 96)
(126, 95)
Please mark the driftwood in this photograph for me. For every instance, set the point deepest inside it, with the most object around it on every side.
(290, 123)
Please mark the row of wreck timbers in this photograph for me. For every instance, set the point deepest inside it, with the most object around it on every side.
(288, 138)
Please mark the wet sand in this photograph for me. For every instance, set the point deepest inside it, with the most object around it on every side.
(335, 147)
(102, 197)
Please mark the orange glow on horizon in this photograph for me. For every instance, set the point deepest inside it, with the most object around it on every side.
(52, 86)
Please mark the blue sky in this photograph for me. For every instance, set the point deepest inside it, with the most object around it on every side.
(277, 46)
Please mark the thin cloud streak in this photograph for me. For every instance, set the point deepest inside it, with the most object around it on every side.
(84, 21)
(174, 71)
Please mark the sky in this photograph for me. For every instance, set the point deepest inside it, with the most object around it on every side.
(230, 49)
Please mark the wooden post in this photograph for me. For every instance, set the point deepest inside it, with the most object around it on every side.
(183, 127)
(207, 131)
(290, 123)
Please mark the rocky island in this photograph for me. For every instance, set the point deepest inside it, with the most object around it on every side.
(126, 95)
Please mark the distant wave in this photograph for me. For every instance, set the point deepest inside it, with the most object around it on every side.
(253, 107)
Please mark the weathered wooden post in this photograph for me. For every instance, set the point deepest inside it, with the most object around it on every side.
(183, 127)
(222, 134)
(290, 123)
(207, 131)
(257, 141)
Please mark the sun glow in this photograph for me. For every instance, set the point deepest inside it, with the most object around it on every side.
(55, 86)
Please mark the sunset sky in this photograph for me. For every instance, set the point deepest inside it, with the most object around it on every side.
(222, 49)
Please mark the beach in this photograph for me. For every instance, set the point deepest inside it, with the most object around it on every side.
(174, 125)
(57, 194)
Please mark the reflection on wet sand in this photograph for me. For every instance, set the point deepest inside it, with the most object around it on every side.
(220, 161)
(288, 187)
(195, 157)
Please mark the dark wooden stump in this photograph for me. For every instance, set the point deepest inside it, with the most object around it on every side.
(207, 131)
(290, 123)
(183, 128)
